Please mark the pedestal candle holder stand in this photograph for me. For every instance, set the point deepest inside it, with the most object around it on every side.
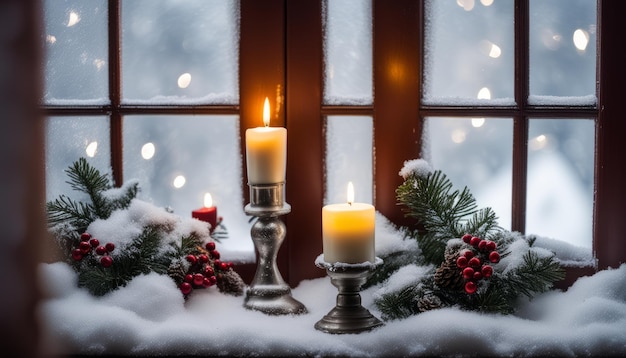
(268, 292)
(348, 316)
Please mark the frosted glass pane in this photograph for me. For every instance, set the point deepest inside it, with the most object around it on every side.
(563, 51)
(348, 52)
(76, 52)
(67, 140)
(349, 153)
(474, 152)
(177, 159)
(469, 52)
(560, 180)
(180, 51)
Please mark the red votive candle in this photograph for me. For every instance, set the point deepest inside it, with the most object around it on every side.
(208, 213)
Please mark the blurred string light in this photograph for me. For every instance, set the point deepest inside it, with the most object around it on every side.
(184, 80)
(490, 49)
(91, 149)
(467, 5)
(458, 135)
(73, 19)
(539, 142)
(478, 122)
(581, 39)
(147, 151)
(51, 39)
(486, 2)
(484, 93)
(99, 63)
(179, 181)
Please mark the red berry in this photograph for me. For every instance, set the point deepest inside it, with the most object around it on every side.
(461, 262)
(208, 271)
(494, 257)
(84, 246)
(470, 287)
(206, 282)
(468, 254)
(487, 271)
(477, 275)
(210, 246)
(474, 241)
(188, 277)
(474, 262)
(110, 246)
(217, 263)
(77, 255)
(185, 288)
(215, 254)
(192, 258)
(213, 280)
(223, 266)
(466, 238)
(197, 279)
(468, 273)
(85, 236)
(482, 245)
(94, 242)
(106, 261)
(101, 250)
(491, 245)
(203, 258)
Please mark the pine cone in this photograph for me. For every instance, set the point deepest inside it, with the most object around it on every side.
(230, 283)
(428, 302)
(448, 275)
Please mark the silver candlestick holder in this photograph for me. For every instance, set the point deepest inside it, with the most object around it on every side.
(348, 315)
(268, 292)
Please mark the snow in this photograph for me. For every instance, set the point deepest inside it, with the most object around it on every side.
(150, 317)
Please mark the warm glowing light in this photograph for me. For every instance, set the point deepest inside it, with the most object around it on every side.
(208, 200)
(350, 193)
(458, 136)
(266, 112)
(484, 93)
(184, 80)
(550, 39)
(73, 19)
(179, 182)
(51, 39)
(147, 151)
(486, 2)
(495, 51)
(91, 149)
(539, 142)
(581, 39)
(467, 5)
(478, 122)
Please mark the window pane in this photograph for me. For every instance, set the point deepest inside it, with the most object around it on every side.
(349, 158)
(563, 51)
(560, 180)
(348, 52)
(180, 51)
(474, 152)
(469, 52)
(67, 140)
(177, 159)
(76, 52)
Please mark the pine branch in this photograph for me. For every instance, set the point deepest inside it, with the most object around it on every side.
(535, 275)
(65, 210)
(85, 178)
(399, 304)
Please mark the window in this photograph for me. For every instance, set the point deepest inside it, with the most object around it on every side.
(282, 54)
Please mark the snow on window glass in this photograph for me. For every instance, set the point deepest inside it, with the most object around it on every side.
(560, 180)
(178, 159)
(562, 52)
(180, 52)
(349, 158)
(348, 52)
(469, 53)
(477, 153)
(70, 138)
(76, 52)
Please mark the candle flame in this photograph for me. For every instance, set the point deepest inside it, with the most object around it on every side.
(266, 112)
(208, 201)
(350, 193)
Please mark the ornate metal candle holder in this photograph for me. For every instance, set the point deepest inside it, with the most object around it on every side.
(268, 292)
(348, 316)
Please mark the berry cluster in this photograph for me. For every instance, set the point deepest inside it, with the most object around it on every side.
(474, 262)
(89, 244)
(201, 274)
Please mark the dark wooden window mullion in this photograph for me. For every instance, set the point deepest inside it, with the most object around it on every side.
(115, 91)
(520, 120)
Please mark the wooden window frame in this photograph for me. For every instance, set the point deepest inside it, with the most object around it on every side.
(281, 57)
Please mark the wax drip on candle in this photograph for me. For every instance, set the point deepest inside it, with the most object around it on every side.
(266, 112)
(350, 193)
